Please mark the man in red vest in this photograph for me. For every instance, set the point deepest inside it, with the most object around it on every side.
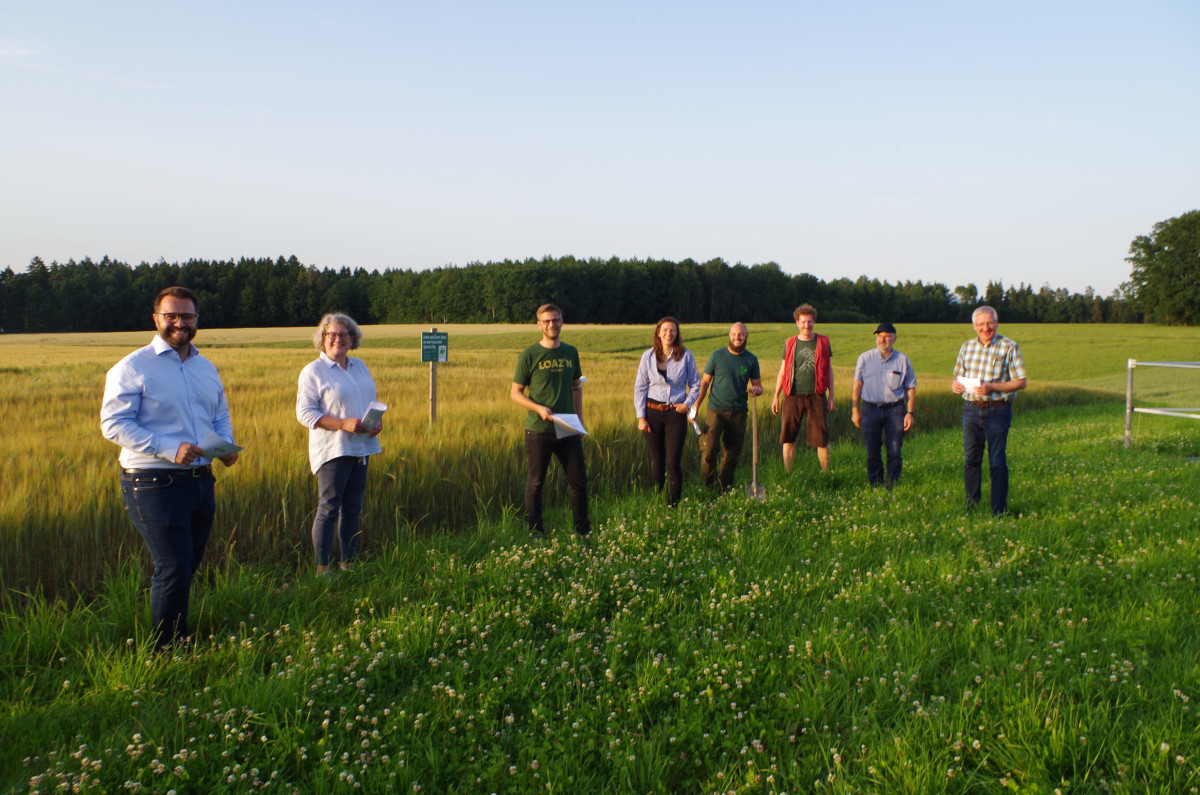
(805, 382)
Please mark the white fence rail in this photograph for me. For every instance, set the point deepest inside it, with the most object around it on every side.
(1130, 408)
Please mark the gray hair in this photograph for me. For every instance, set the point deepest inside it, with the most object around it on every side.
(341, 320)
(995, 315)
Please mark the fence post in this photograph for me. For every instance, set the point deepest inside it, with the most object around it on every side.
(1129, 402)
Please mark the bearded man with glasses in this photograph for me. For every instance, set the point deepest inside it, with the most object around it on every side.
(161, 404)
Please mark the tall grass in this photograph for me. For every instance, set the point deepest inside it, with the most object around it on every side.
(62, 524)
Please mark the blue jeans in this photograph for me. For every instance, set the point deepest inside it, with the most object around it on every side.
(341, 484)
(883, 427)
(986, 426)
(173, 511)
(539, 447)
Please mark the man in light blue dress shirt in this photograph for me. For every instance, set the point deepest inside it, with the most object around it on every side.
(886, 387)
(162, 402)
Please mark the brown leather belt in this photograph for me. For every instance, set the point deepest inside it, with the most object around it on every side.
(988, 404)
(650, 404)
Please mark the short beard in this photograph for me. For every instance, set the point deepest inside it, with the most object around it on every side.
(737, 348)
(190, 332)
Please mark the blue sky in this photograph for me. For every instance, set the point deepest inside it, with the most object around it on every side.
(948, 142)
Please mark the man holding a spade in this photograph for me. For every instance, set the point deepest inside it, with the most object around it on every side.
(726, 376)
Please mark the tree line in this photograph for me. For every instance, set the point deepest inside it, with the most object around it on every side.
(110, 295)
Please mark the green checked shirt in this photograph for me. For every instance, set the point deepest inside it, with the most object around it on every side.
(999, 360)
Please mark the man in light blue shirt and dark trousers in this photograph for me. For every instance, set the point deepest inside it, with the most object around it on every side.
(161, 403)
(886, 387)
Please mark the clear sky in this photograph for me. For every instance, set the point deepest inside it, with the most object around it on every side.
(949, 142)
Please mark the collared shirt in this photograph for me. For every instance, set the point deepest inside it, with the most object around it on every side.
(999, 360)
(682, 384)
(325, 388)
(884, 380)
(154, 401)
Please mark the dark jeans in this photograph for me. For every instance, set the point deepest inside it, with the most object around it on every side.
(668, 430)
(883, 427)
(174, 514)
(986, 426)
(539, 447)
(726, 429)
(341, 484)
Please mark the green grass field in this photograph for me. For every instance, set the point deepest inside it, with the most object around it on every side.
(833, 638)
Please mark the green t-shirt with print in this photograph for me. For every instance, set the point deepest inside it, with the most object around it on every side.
(731, 373)
(804, 366)
(548, 373)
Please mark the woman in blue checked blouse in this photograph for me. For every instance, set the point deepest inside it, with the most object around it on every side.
(665, 389)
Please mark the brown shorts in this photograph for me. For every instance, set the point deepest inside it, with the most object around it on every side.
(794, 409)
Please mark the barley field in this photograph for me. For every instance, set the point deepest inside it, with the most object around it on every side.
(62, 526)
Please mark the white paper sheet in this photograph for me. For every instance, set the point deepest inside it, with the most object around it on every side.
(568, 425)
(216, 447)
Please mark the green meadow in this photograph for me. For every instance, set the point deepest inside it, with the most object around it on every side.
(833, 638)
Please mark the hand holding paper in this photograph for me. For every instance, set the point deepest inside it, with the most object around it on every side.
(374, 416)
(567, 425)
(216, 447)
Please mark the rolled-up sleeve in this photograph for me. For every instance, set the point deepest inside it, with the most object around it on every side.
(641, 384)
(308, 399)
(692, 379)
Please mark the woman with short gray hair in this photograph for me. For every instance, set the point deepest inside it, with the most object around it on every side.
(333, 395)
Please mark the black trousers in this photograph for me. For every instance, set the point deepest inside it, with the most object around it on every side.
(539, 447)
(668, 430)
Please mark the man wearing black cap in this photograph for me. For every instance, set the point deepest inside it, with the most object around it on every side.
(886, 387)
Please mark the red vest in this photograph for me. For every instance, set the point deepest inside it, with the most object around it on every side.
(824, 368)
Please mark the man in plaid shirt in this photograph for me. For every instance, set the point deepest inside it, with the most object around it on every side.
(988, 374)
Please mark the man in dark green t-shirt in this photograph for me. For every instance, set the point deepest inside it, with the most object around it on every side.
(726, 376)
(548, 381)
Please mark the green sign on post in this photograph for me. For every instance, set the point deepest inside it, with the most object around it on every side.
(434, 346)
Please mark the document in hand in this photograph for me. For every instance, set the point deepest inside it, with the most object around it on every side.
(374, 415)
(969, 383)
(216, 447)
(568, 425)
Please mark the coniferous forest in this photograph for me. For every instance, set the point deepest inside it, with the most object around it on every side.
(114, 296)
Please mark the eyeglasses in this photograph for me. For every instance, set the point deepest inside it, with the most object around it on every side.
(551, 321)
(335, 335)
(177, 317)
